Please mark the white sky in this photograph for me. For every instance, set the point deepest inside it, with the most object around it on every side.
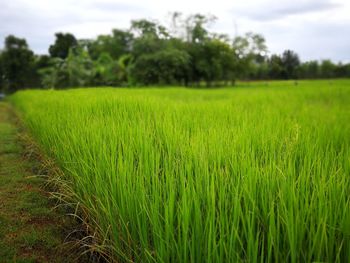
(315, 29)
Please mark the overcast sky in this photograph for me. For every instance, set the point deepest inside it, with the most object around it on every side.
(315, 29)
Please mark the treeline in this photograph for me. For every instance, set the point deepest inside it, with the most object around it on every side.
(185, 52)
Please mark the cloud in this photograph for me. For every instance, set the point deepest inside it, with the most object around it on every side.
(274, 10)
(314, 28)
(116, 7)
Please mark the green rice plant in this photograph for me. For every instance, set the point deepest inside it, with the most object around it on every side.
(256, 173)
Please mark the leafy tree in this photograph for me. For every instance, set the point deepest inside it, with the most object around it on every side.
(79, 67)
(56, 75)
(262, 71)
(167, 66)
(146, 45)
(148, 53)
(313, 69)
(110, 72)
(211, 58)
(342, 70)
(62, 45)
(152, 54)
(196, 27)
(144, 27)
(42, 61)
(1, 73)
(74, 71)
(309, 70)
(327, 69)
(123, 69)
(212, 61)
(250, 45)
(290, 62)
(275, 67)
(116, 45)
(17, 62)
(228, 62)
(250, 51)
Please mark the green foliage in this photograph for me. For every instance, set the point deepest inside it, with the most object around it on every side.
(250, 51)
(275, 67)
(115, 45)
(186, 52)
(146, 45)
(17, 63)
(310, 70)
(342, 70)
(1, 73)
(75, 71)
(228, 175)
(103, 67)
(108, 71)
(290, 62)
(168, 66)
(250, 45)
(62, 45)
(54, 76)
(214, 61)
(123, 69)
(327, 69)
(196, 27)
(79, 67)
(156, 60)
(147, 28)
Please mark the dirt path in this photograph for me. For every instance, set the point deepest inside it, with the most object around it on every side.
(30, 231)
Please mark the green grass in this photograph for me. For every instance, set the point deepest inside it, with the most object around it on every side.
(256, 173)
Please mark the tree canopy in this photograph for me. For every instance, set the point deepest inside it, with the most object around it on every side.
(17, 64)
(185, 52)
(62, 45)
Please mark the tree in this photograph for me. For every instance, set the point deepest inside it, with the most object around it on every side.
(309, 70)
(211, 58)
(74, 71)
(250, 51)
(275, 67)
(228, 62)
(17, 63)
(327, 69)
(212, 61)
(146, 45)
(313, 69)
(147, 48)
(196, 27)
(167, 66)
(116, 45)
(290, 63)
(144, 27)
(79, 67)
(342, 70)
(1, 73)
(62, 45)
(56, 75)
(123, 69)
(110, 72)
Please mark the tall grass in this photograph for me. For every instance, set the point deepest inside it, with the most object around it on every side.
(229, 175)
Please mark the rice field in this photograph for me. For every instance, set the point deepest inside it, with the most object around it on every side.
(254, 173)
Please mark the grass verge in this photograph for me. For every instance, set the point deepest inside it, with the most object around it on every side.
(31, 229)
